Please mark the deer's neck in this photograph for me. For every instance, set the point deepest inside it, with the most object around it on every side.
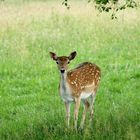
(63, 80)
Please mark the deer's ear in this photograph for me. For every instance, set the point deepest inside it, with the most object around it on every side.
(53, 56)
(72, 55)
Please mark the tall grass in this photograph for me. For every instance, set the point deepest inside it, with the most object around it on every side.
(30, 106)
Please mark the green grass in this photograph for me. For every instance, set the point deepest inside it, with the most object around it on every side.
(30, 106)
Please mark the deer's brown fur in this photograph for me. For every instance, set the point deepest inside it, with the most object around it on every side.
(84, 78)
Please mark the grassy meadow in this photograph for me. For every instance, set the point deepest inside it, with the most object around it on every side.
(30, 106)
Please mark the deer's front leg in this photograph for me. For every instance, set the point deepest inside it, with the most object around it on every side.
(67, 105)
(76, 110)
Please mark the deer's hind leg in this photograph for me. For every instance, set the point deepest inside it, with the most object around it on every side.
(92, 100)
(86, 106)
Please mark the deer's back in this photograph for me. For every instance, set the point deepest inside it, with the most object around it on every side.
(84, 78)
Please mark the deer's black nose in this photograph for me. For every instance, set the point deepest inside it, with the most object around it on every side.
(62, 71)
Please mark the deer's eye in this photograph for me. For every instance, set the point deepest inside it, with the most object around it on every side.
(68, 62)
(56, 62)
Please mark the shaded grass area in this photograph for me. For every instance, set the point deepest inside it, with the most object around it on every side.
(30, 107)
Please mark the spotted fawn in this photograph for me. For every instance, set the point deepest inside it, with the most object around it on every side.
(76, 85)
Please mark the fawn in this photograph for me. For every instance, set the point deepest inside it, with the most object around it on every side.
(77, 85)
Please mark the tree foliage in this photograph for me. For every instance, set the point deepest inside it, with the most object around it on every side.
(109, 5)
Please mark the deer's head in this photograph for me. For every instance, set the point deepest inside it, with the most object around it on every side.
(63, 61)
